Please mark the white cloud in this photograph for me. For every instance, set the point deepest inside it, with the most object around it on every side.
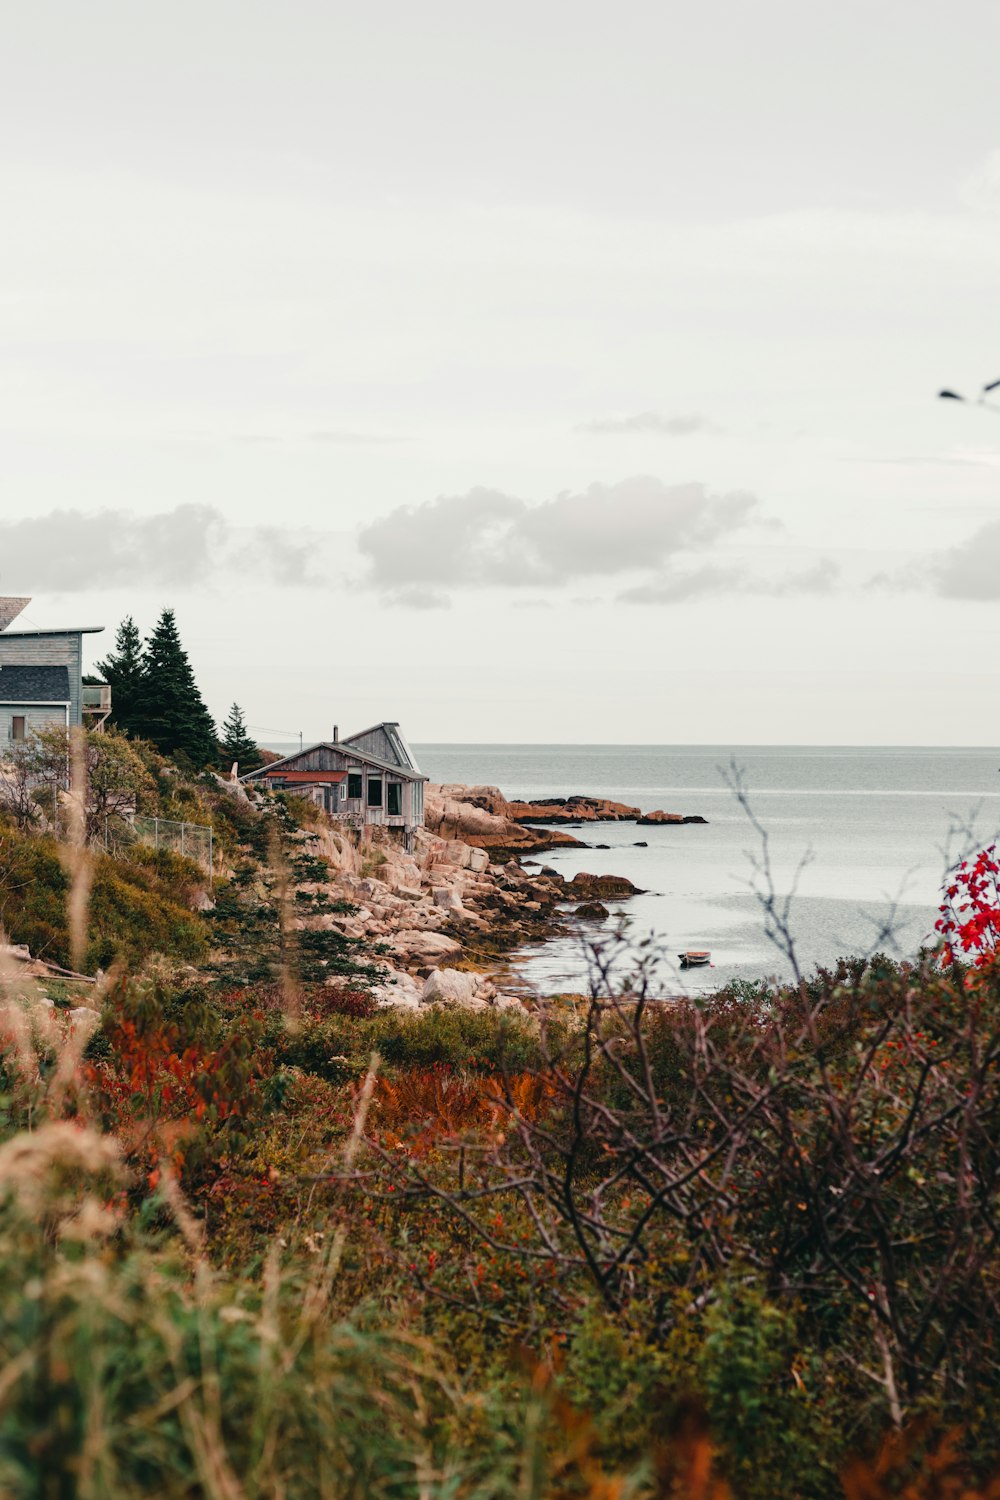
(489, 538)
(67, 550)
(971, 570)
(675, 587)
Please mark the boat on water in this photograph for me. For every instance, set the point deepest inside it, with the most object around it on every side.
(695, 958)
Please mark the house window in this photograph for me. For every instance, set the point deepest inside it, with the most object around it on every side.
(374, 791)
(353, 784)
(17, 727)
(394, 799)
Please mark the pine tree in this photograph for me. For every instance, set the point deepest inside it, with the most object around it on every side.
(125, 672)
(237, 744)
(175, 716)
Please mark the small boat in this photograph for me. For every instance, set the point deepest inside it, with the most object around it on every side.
(694, 958)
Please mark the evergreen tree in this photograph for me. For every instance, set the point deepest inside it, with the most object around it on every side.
(175, 717)
(125, 672)
(237, 744)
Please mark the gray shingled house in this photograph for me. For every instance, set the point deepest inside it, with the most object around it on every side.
(41, 678)
(370, 779)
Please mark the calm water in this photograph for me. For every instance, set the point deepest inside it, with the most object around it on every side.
(878, 826)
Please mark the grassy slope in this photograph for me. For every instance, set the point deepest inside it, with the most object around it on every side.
(217, 1305)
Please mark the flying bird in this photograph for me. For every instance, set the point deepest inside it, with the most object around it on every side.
(994, 385)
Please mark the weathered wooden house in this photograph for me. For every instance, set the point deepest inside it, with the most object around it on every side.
(367, 780)
(41, 678)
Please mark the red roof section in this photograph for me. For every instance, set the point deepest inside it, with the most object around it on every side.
(312, 778)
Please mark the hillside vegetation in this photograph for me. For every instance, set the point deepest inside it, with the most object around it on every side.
(260, 1238)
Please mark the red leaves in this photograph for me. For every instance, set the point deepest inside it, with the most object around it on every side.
(153, 1077)
(970, 912)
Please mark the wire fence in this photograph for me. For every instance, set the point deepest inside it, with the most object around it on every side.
(193, 840)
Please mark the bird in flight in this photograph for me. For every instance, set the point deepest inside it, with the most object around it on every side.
(994, 385)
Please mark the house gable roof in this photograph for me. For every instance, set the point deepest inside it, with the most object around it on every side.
(34, 684)
(402, 755)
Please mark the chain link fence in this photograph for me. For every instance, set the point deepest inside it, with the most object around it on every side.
(193, 840)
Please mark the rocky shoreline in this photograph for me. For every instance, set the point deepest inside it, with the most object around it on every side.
(450, 912)
(483, 817)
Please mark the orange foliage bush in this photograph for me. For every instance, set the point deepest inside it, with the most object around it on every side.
(155, 1089)
(423, 1106)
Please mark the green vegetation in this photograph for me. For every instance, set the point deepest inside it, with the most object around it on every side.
(236, 743)
(262, 1238)
(125, 671)
(155, 697)
(173, 714)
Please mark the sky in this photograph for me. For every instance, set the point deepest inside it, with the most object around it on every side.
(536, 373)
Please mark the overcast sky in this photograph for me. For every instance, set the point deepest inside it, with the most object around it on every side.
(533, 372)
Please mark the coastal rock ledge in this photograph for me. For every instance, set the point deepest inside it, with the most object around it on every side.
(483, 817)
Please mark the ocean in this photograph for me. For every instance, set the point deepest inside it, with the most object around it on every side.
(864, 836)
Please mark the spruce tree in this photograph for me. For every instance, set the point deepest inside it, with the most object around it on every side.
(175, 716)
(125, 673)
(237, 744)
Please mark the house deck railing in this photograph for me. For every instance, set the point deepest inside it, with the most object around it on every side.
(95, 698)
(372, 817)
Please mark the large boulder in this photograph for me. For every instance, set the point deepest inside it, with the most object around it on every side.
(592, 911)
(421, 947)
(467, 991)
(400, 990)
(455, 987)
(584, 887)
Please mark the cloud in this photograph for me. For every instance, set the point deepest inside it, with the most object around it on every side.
(487, 538)
(675, 588)
(71, 551)
(647, 421)
(971, 570)
(822, 578)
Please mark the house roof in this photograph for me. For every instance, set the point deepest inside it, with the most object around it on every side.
(34, 684)
(10, 608)
(342, 747)
(313, 778)
(66, 630)
(402, 753)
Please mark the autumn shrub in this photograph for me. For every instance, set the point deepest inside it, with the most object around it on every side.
(138, 905)
(170, 1078)
(421, 1107)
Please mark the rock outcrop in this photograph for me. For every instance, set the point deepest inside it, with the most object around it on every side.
(477, 816)
(483, 817)
(572, 810)
(665, 817)
(587, 888)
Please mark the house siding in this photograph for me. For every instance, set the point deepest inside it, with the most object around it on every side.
(36, 716)
(376, 742)
(53, 650)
